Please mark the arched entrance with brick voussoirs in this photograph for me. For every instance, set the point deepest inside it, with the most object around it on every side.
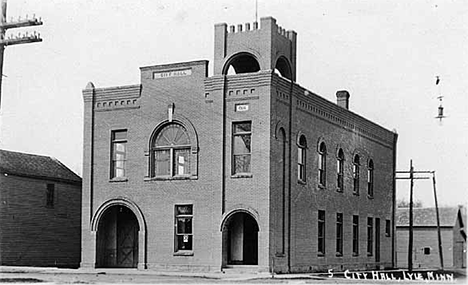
(240, 239)
(119, 236)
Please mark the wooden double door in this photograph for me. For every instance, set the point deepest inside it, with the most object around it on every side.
(117, 239)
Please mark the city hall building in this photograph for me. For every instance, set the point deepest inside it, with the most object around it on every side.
(186, 171)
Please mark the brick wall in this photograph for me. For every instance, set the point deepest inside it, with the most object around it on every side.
(322, 121)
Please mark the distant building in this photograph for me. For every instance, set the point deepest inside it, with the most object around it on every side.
(40, 211)
(425, 238)
(246, 167)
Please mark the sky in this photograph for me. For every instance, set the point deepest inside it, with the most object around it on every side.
(387, 54)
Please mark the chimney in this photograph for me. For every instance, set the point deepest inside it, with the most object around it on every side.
(342, 98)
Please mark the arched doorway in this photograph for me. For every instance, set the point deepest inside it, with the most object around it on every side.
(117, 238)
(240, 240)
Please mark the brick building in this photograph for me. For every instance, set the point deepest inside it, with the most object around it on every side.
(245, 167)
(40, 211)
(425, 238)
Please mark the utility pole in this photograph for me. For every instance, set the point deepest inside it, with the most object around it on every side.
(410, 243)
(421, 174)
(15, 40)
(438, 222)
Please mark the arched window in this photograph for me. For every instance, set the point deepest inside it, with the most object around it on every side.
(356, 174)
(370, 179)
(340, 170)
(322, 173)
(171, 152)
(301, 158)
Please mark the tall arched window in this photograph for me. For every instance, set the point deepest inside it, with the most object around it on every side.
(340, 170)
(322, 172)
(171, 152)
(301, 158)
(356, 174)
(370, 178)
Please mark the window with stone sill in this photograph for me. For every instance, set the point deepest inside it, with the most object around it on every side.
(340, 171)
(339, 234)
(322, 167)
(119, 154)
(321, 233)
(370, 179)
(241, 147)
(183, 236)
(355, 235)
(301, 158)
(370, 235)
(356, 174)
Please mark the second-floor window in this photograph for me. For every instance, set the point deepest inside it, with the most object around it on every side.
(340, 170)
(242, 150)
(322, 173)
(370, 179)
(171, 152)
(356, 174)
(119, 153)
(301, 158)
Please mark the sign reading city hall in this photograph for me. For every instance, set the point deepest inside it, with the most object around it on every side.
(394, 275)
(172, 73)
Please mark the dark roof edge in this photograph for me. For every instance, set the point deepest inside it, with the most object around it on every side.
(61, 180)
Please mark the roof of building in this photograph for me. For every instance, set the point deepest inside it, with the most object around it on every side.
(426, 217)
(35, 166)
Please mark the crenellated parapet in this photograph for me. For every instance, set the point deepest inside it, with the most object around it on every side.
(272, 46)
(250, 27)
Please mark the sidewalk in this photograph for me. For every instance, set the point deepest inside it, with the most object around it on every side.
(233, 275)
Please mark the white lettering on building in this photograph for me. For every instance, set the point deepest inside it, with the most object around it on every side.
(172, 73)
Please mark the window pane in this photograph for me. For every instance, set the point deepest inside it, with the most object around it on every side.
(172, 135)
(184, 242)
(162, 162)
(184, 225)
(241, 144)
(185, 210)
(119, 135)
(242, 163)
(242, 127)
(118, 157)
(120, 147)
(181, 161)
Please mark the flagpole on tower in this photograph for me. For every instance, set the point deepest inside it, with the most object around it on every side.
(256, 10)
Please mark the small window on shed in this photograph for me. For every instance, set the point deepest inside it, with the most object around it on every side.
(427, 250)
(50, 193)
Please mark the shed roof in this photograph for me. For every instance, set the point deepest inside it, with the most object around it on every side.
(35, 166)
(426, 217)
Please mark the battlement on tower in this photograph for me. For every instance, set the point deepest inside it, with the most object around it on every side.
(270, 45)
(250, 27)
